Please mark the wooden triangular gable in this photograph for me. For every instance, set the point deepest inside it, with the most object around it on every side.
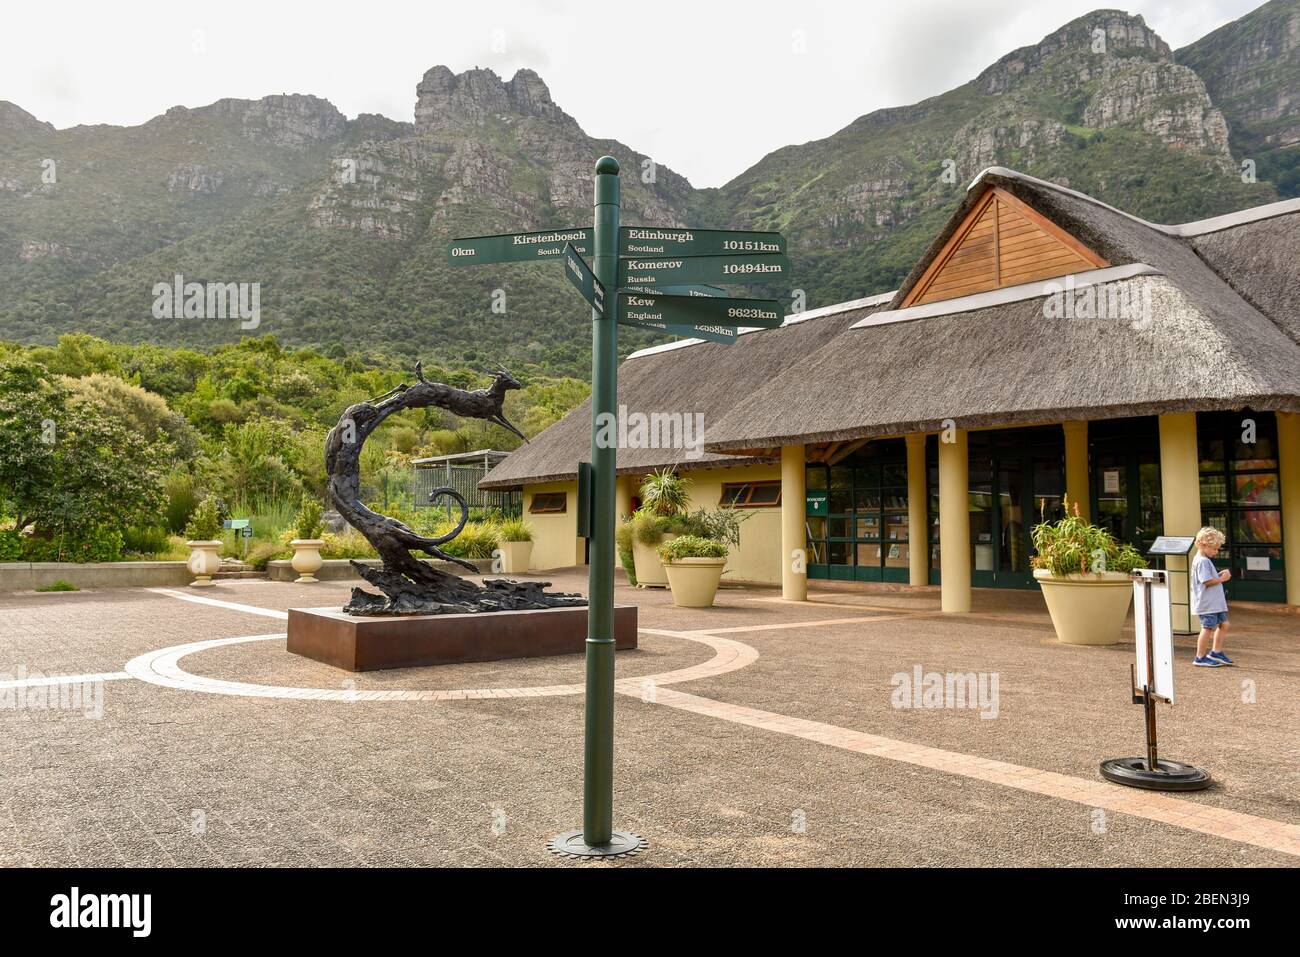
(1001, 242)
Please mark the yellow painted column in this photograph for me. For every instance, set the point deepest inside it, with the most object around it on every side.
(954, 523)
(1180, 493)
(1076, 467)
(918, 532)
(794, 559)
(1288, 453)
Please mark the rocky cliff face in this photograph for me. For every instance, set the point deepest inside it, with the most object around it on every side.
(1251, 68)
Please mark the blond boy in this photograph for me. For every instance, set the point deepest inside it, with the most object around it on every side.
(1209, 601)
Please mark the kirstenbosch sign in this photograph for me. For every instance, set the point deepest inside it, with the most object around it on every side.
(651, 308)
(519, 247)
(636, 241)
(687, 269)
(660, 284)
(583, 279)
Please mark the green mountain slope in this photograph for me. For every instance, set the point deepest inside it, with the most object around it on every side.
(1251, 68)
(344, 223)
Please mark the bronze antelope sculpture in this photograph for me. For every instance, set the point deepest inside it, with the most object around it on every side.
(411, 585)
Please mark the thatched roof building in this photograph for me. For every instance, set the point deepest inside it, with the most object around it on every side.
(1201, 316)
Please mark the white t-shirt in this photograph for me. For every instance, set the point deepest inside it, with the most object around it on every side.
(1211, 599)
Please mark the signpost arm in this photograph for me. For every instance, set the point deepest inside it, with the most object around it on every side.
(598, 755)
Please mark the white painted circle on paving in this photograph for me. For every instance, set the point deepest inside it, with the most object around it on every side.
(162, 667)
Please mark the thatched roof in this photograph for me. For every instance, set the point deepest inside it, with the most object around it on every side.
(687, 376)
(1219, 330)
(1200, 346)
(1261, 260)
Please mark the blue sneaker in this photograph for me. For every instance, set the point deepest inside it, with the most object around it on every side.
(1207, 662)
(1219, 656)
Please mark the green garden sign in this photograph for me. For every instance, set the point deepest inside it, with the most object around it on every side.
(656, 276)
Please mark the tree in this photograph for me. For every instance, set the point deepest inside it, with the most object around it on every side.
(71, 467)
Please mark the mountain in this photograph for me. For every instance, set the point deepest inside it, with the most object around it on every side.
(1251, 68)
(344, 223)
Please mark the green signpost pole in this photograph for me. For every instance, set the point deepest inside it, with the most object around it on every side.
(598, 837)
(598, 755)
(649, 277)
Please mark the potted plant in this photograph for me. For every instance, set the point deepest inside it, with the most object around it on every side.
(648, 531)
(664, 498)
(201, 532)
(694, 566)
(1084, 574)
(516, 546)
(306, 547)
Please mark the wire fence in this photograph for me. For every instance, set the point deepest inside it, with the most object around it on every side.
(464, 479)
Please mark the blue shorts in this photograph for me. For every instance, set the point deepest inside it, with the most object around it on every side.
(1213, 619)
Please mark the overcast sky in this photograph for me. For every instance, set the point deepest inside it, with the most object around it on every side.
(705, 87)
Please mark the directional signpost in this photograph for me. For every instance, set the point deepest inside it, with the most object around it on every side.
(584, 279)
(675, 270)
(656, 278)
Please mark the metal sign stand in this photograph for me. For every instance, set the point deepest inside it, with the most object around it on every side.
(1151, 772)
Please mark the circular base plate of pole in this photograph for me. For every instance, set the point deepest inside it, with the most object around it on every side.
(571, 845)
(1171, 776)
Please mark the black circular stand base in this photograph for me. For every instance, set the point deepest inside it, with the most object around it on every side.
(1171, 776)
(571, 845)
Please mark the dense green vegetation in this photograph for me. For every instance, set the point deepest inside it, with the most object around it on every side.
(110, 450)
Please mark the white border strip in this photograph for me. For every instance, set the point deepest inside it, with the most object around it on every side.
(1007, 294)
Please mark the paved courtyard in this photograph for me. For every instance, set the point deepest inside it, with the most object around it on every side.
(757, 732)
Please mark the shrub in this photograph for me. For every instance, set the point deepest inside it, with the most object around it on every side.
(75, 545)
(205, 523)
(476, 540)
(721, 525)
(691, 546)
(623, 540)
(515, 530)
(307, 523)
(1074, 547)
(648, 528)
(149, 540)
(350, 544)
(59, 585)
(11, 546)
(259, 553)
(665, 493)
(182, 499)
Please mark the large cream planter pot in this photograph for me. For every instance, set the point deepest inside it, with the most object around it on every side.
(306, 559)
(515, 557)
(204, 562)
(649, 569)
(1087, 609)
(694, 581)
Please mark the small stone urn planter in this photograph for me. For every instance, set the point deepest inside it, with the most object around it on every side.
(204, 562)
(693, 566)
(306, 559)
(1086, 609)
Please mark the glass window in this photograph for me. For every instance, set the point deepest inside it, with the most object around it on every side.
(815, 476)
(751, 495)
(548, 503)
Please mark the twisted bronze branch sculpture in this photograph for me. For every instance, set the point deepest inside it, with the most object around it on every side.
(412, 586)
